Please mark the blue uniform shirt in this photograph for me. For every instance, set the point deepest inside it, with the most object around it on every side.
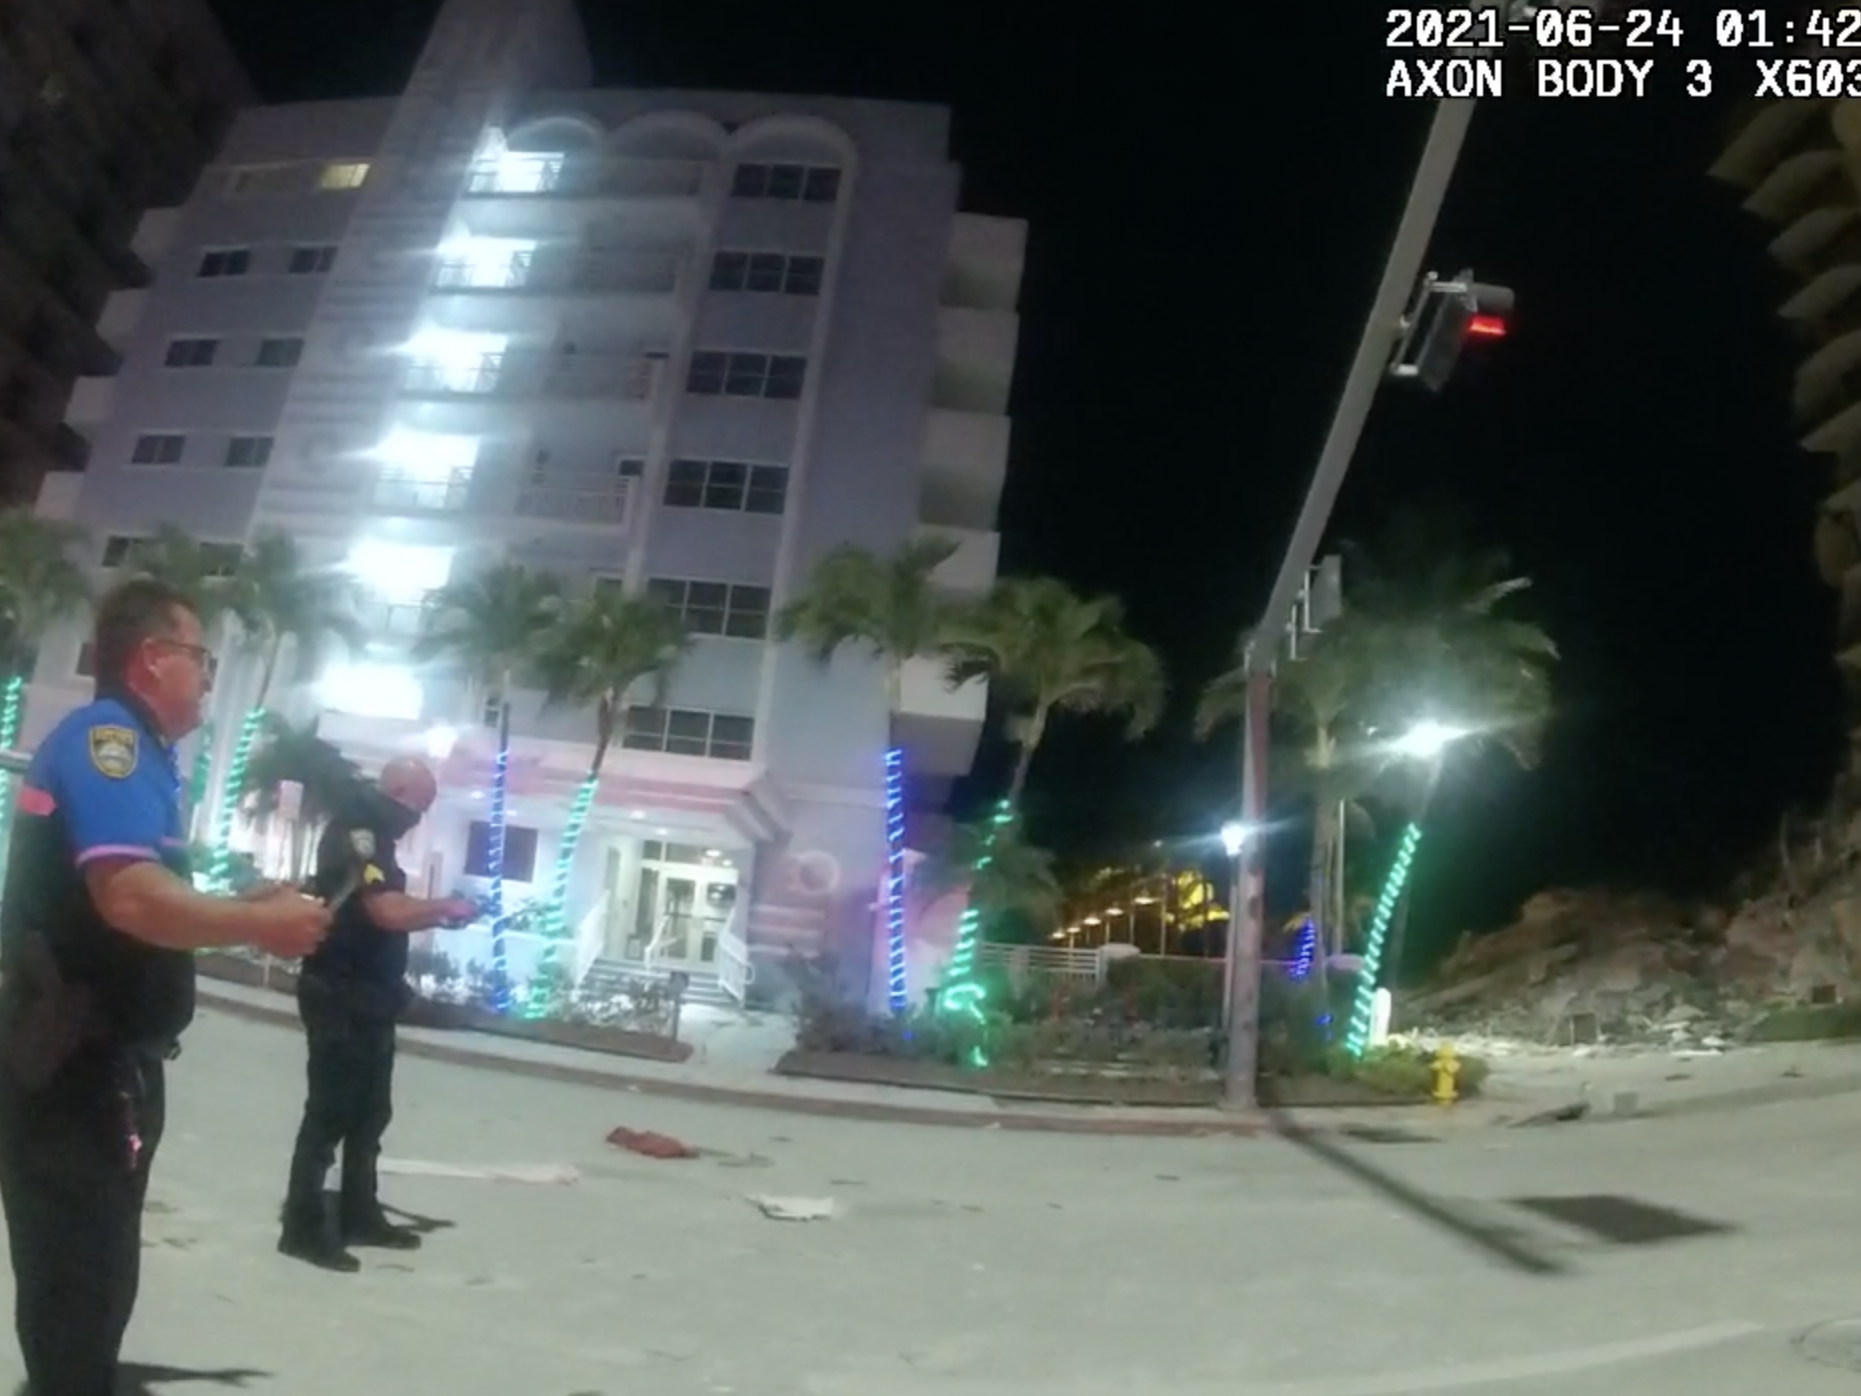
(103, 785)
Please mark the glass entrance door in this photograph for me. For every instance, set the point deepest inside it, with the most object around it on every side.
(686, 899)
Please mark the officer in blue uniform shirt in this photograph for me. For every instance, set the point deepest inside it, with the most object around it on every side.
(349, 994)
(97, 928)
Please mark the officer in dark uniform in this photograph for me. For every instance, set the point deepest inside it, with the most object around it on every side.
(349, 994)
(97, 927)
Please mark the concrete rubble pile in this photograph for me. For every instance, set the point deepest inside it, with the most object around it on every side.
(1640, 970)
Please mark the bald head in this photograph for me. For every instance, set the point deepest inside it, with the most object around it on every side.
(409, 782)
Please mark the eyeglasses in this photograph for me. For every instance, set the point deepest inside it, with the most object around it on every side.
(200, 654)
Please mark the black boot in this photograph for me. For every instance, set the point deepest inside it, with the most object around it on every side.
(363, 1223)
(308, 1236)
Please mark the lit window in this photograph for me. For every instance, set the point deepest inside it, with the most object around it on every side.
(158, 449)
(372, 690)
(454, 361)
(348, 175)
(486, 264)
(400, 573)
(514, 173)
(423, 471)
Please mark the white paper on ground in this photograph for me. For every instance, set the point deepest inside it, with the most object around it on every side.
(797, 1208)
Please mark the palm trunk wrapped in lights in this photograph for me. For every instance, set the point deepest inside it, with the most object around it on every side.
(555, 911)
(897, 988)
(12, 706)
(200, 781)
(220, 875)
(962, 994)
(500, 798)
(1363, 1001)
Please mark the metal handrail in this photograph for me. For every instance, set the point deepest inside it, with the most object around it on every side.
(15, 762)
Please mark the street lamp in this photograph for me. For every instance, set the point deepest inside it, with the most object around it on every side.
(1426, 740)
(1233, 838)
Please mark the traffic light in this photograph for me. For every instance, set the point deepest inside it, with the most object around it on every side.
(1444, 316)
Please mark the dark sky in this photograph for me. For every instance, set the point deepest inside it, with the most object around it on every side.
(1209, 213)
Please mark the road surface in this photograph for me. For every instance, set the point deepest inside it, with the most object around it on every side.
(1717, 1253)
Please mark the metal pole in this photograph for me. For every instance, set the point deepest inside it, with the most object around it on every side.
(1446, 135)
(14, 762)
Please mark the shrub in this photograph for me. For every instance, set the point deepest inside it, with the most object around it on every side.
(1403, 1071)
(1175, 993)
(1815, 1022)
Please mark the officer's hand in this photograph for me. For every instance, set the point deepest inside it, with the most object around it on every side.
(459, 911)
(258, 891)
(289, 924)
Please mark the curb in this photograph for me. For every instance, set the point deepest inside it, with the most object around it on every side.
(1241, 1126)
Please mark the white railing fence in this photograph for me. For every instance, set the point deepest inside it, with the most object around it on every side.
(734, 970)
(591, 937)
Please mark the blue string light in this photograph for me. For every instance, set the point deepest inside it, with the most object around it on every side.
(1305, 950)
(500, 961)
(897, 990)
(1363, 1001)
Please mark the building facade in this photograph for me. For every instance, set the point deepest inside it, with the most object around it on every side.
(682, 343)
(107, 108)
(1799, 164)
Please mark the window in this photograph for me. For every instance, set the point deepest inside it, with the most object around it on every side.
(248, 452)
(226, 261)
(714, 373)
(629, 467)
(681, 732)
(715, 608)
(279, 353)
(312, 261)
(810, 184)
(163, 448)
(344, 175)
(767, 273)
(519, 852)
(729, 485)
(267, 179)
(191, 353)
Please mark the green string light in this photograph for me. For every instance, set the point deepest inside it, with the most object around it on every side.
(1363, 1001)
(12, 705)
(555, 911)
(963, 996)
(220, 875)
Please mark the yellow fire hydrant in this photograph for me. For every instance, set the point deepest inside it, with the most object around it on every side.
(1446, 1068)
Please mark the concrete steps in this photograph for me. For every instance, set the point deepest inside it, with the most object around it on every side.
(609, 975)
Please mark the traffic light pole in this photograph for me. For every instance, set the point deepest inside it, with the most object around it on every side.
(1247, 931)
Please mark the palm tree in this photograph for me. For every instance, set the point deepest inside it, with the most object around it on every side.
(893, 608)
(1047, 650)
(602, 646)
(1004, 874)
(40, 584)
(275, 600)
(198, 572)
(492, 626)
(295, 754)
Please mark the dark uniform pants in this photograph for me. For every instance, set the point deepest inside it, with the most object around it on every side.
(74, 1173)
(350, 1100)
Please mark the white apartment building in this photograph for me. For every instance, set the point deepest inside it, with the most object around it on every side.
(677, 341)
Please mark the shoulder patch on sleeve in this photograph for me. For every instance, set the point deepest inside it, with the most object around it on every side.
(114, 750)
(373, 876)
(363, 842)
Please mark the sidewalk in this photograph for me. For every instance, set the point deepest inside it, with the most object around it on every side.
(1641, 1085)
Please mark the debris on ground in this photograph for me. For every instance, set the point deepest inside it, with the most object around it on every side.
(797, 1209)
(648, 1144)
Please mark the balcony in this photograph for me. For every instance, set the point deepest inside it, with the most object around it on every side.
(971, 569)
(1766, 132)
(1805, 180)
(562, 177)
(987, 256)
(408, 492)
(939, 725)
(543, 273)
(590, 502)
(536, 373)
(965, 461)
(975, 358)
(91, 399)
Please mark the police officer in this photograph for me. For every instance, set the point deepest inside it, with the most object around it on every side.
(97, 927)
(349, 994)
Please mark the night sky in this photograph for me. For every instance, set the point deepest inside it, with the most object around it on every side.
(1209, 216)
